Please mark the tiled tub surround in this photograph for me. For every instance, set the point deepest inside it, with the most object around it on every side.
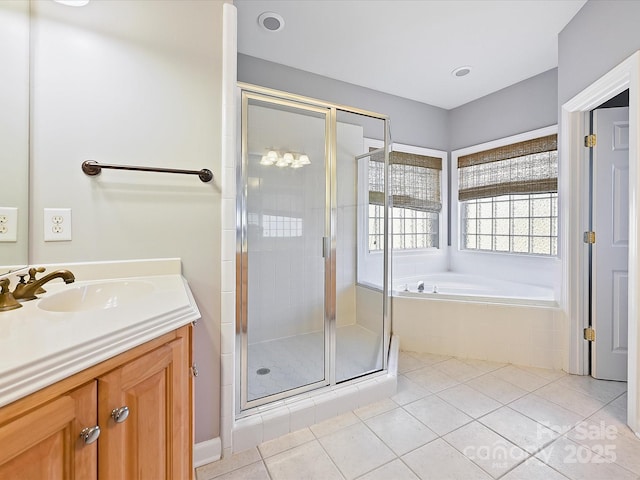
(530, 334)
(39, 348)
(459, 419)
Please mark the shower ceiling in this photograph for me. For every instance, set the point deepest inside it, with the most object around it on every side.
(410, 48)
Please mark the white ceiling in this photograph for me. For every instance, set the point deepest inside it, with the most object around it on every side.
(410, 47)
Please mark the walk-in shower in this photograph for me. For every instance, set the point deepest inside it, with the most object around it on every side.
(304, 319)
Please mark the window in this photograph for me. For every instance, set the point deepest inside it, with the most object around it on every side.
(509, 198)
(417, 200)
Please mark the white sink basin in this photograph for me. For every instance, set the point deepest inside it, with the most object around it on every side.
(96, 296)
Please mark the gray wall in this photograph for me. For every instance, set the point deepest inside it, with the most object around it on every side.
(600, 36)
(519, 108)
(412, 122)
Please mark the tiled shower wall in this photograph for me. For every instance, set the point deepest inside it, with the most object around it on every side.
(285, 210)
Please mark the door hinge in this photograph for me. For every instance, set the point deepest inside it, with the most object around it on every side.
(194, 370)
(590, 141)
(589, 237)
(590, 334)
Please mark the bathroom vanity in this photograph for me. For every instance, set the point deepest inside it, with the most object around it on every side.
(94, 391)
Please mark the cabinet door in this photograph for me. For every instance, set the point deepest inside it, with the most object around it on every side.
(153, 442)
(45, 443)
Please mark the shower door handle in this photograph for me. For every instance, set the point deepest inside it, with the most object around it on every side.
(325, 247)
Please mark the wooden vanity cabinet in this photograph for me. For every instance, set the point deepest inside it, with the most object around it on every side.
(40, 434)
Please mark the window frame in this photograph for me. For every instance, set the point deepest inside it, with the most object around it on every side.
(443, 216)
(456, 205)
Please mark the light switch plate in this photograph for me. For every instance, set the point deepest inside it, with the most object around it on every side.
(57, 224)
(8, 224)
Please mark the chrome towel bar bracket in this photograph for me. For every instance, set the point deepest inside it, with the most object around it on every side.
(92, 168)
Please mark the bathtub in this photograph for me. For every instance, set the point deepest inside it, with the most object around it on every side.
(459, 286)
(479, 318)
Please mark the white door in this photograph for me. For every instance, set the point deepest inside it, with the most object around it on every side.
(610, 200)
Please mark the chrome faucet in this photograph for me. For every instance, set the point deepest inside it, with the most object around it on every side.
(27, 291)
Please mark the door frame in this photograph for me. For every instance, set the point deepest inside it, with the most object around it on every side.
(574, 209)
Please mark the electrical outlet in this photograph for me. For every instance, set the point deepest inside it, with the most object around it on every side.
(57, 224)
(8, 224)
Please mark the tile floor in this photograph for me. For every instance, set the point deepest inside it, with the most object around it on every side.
(299, 359)
(460, 419)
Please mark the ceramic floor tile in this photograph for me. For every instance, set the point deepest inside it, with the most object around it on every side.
(612, 415)
(439, 460)
(485, 366)
(458, 370)
(375, 408)
(356, 450)
(334, 424)
(602, 390)
(438, 415)
(470, 401)
(621, 402)
(491, 452)
(429, 358)
(400, 431)
(533, 469)
(545, 373)
(519, 429)
(520, 378)
(254, 471)
(285, 442)
(408, 391)
(496, 388)
(407, 362)
(308, 461)
(395, 470)
(228, 464)
(549, 414)
(578, 402)
(608, 441)
(579, 462)
(433, 380)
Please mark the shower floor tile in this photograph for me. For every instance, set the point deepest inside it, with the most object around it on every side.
(287, 363)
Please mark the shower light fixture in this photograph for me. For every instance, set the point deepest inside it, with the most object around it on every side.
(287, 159)
(270, 158)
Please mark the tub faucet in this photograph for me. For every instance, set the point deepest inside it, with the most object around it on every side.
(27, 291)
(421, 286)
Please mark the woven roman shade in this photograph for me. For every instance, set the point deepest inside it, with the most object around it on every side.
(524, 167)
(415, 181)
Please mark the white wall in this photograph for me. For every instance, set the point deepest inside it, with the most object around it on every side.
(134, 82)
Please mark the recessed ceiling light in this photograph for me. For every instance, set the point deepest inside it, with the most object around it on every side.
(271, 22)
(461, 71)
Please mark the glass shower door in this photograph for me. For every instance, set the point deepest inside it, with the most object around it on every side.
(284, 256)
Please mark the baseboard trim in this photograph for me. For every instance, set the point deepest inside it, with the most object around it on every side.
(207, 452)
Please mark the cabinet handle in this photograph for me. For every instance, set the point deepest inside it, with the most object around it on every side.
(119, 415)
(90, 434)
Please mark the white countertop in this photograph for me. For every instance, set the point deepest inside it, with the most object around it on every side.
(39, 348)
